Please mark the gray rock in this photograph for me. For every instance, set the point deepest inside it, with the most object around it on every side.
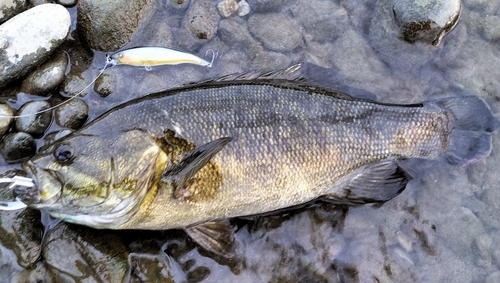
(104, 85)
(47, 76)
(491, 28)
(75, 253)
(493, 278)
(427, 21)
(5, 118)
(268, 5)
(34, 124)
(108, 25)
(29, 38)
(178, 4)
(17, 147)
(234, 31)
(72, 114)
(323, 21)
(34, 3)
(276, 31)
(270, 61)
(10, 8)
(200, 23)
(227, 7)
(67, 3)
(21, 233)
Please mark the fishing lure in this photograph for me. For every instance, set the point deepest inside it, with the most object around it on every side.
(155, 56)
(138, 56)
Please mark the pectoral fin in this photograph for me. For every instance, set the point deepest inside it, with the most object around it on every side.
(375, 182)
(216, 236)
(192, 163)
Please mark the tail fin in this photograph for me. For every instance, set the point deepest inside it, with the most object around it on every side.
(471, 127)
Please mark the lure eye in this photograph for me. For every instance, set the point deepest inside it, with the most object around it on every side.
(63, 153)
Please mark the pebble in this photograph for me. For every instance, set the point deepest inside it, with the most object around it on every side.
(10, 8)
(277, 32)
(233, 31)
(202, 19)
(17, 147)
(227, 7)
(108, 25)
(493, 278)
(47, 76)
(72, 114)
(244, 8)
(268, 5)
(427, 20)
(5, 110)
(67, 3)
(74, 253)
(45, 27)
(491, 28)
(104, 85)
(34, 124)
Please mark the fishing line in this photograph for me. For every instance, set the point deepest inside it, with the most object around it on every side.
(62, 103)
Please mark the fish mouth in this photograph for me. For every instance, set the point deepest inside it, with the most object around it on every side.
(47, 185)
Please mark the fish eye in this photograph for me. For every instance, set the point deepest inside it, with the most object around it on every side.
(63, 153)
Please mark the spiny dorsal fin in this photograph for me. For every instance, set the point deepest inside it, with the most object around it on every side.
(292, 73)
(216, 236)
(192, 163)
(375, 182)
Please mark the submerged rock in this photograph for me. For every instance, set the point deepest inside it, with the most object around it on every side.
(108, 25)
(29, 38)
(17, 147)
(428, 21)
(10, 8)
(77, 254)
(46, 77)
(227, 7)
(276, 31)
(34, 124)
(201, 20)
(72, 114)
(6, 113)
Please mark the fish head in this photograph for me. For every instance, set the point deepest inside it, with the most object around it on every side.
(94, 180)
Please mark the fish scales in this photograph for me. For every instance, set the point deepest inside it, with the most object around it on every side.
(297, 143)
(225, 149)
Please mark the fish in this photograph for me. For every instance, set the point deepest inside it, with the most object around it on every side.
(196, 156)
(154, 56)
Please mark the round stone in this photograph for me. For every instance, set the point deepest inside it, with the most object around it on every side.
(17, 147)
(34, 124)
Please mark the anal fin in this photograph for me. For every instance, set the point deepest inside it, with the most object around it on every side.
(216, 236)
(374, 182)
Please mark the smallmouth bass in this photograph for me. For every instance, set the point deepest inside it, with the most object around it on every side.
(194, 156)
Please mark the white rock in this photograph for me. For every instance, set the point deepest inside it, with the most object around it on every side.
(29, 38)
(244, 8)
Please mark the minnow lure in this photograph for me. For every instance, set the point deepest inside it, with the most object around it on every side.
(139, 56)
(155, 56)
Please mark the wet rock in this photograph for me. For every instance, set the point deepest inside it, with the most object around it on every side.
(67, 3)
(77, 254)
(178, 4)
(227, 7)
(34, 3)
(10, 8)
(5, 118)
(21, 232)
(483, 246)
(323, 21)
(491, 28)
(427, 21)
(108, 25)
(199, 24)
(17, 147)
(234, 31)
(29, 38)
(47, 76)
(34, 124)
(270, 61)
(268, 5)
(493, 278)
(104, 85)
(244, 8)
(276, 31)
(72, 114)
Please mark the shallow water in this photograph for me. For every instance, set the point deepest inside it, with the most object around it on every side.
(442, 228)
